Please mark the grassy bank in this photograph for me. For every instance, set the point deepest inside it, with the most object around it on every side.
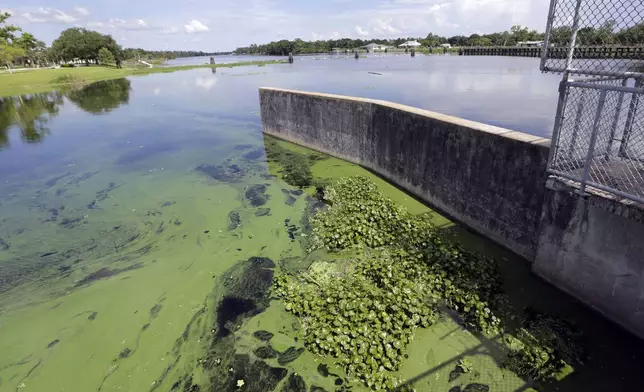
(42, 80)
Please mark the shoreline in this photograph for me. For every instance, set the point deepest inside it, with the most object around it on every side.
(44, 80)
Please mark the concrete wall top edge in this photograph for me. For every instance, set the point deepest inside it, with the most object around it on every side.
(503, 132)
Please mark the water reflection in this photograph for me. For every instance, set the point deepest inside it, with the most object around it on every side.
(102, 97)
(30, 113)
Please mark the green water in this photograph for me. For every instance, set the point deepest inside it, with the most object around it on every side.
(130, 212)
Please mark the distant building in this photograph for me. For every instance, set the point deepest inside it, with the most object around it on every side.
(446, 46)
(410, 44)
(530, 44)
(372, 47)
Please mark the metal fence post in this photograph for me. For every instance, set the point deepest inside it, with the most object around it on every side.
(613, 128)
(628, 128)
(559, 118)
(546, 42)
(573, 34)
(593, 140)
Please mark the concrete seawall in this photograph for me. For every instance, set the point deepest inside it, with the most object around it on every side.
(488, 178)
(593, 248)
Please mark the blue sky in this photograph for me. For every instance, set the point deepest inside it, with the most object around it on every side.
(216, 25)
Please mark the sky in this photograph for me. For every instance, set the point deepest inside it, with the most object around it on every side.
(223, 25)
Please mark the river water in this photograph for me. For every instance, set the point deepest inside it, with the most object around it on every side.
(130, 208)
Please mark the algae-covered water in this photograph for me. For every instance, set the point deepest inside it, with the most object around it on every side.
(143, 221)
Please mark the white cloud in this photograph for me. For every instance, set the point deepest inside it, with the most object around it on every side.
(63, 17)
(362, 32)
(81, 11)
(95, 24)
(32, 18)
(132, 25)
(195, 27)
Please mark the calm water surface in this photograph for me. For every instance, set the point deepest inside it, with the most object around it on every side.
(126, 217)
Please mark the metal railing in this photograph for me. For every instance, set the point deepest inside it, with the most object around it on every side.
(599, 136)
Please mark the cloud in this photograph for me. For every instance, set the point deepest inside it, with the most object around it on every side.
(95, 24)
(362, 32)
(81, 11)
(131, 25)
(195, 27)
(63, 17)
(32, 18)
(49, 15)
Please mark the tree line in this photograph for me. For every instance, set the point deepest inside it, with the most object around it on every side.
(20, 48)
(607, 34)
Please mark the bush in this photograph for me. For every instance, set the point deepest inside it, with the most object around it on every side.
(68, 66)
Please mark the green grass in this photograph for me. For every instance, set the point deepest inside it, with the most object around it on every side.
(42, 80)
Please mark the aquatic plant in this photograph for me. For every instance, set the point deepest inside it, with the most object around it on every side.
(365, 320)
(364, 311)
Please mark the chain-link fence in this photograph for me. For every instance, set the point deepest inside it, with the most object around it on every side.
(599, 136)
(595, 37)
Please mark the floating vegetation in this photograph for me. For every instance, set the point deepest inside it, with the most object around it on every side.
(266, 352)
(295, 383)
(70, 223)
(290, 355)
(4, 245)
(363, 311)
(52, 344)
(256, 195)
(104, 193)
(543, 346)
(92, 316)
(248, 294)
(234, 220)
(223, 173)
(105, 273)
(264, 336)
(263, 212)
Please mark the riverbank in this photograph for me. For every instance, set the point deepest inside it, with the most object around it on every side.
(38, 81)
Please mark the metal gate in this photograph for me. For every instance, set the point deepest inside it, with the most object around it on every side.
(598, 137)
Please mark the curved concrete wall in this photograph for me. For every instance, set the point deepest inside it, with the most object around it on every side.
(488, 178)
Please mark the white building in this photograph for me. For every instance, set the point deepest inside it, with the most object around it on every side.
(372, 47)
(530, 43)
(410, 44)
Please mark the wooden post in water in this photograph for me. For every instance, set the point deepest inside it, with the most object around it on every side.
(212, 60)
(413, 52)
(357, 55)
(290, 58)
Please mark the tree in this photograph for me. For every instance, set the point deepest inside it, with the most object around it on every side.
(7, 32)
(105, 57)
(83, 44)
(8, 53)
(521, 34)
